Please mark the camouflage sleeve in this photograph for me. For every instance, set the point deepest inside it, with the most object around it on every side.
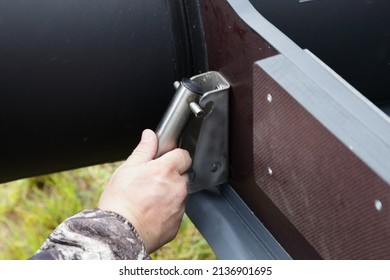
(92, 235)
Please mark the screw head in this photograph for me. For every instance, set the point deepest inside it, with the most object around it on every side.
(378, 205)
(269, 97)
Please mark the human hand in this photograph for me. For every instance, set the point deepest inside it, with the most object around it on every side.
(150, 192)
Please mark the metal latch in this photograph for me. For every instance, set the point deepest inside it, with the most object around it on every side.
(197, 120)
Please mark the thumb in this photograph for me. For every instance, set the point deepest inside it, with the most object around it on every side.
(146, 149)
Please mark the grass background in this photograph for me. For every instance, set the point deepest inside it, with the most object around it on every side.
(30, 209)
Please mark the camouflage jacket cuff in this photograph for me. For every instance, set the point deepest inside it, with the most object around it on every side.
(94, 234)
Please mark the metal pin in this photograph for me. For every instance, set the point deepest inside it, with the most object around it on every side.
(176, 84)
(196, 109)
(270, 172)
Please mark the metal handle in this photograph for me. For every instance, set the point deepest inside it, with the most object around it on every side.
(184, 101)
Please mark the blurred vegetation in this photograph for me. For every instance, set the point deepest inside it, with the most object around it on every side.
(30, 209)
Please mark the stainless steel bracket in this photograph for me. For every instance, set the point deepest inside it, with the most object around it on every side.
(206, 138)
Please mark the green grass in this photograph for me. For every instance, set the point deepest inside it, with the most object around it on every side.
(30, 209)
